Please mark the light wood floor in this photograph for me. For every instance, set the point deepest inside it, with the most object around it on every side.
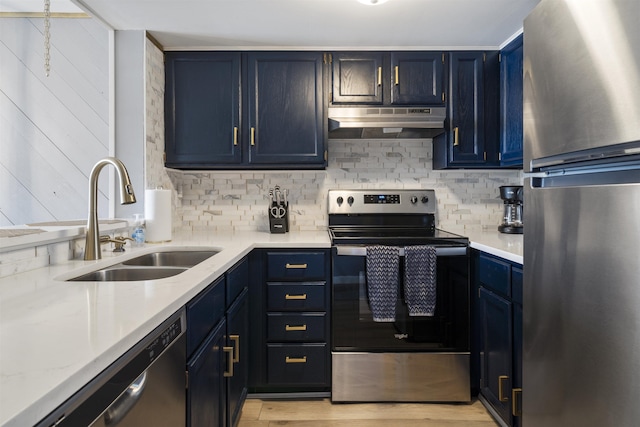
(322, 413)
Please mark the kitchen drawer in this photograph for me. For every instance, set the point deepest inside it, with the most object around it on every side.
(237, 280)
(516, 285)
(296, 266)
(495, 274)
(203, 312)
(309, 296)
(296, 327)
(296, 364)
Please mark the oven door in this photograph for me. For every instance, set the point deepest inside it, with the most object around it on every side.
(353, 328)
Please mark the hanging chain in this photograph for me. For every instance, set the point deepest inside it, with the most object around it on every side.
(47, 37)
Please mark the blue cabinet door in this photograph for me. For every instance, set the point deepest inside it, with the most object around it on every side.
(285, 116)
(238, 338)
(206, 392)
(202, 109)
(496, 356)
(511, 107)
(471, 129)
(417, 78)
(357, 78)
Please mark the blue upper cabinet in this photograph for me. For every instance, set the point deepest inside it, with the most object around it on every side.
(285, 109)
(357, 78)
(511, 104)
(471, 129)
(388, 78)
(257, 110)
(202, 109)
(417, 78)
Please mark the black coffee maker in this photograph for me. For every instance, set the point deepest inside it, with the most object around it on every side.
(512, 217)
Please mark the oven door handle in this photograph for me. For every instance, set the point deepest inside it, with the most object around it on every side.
(440, 251)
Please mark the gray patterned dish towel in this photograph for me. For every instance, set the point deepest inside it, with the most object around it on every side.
(420, 280)
(382, 281)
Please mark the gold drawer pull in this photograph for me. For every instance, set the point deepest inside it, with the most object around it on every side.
(501, 379)
(295, 328)
(456, 141)
(397, 76)
(229, 371)
(295, 266)
(253, 136)
(517, 412)
(291, 297)
(379, 76)
(236, 352)
(302, 359)
(235, 135)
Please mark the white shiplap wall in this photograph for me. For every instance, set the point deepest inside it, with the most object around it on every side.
(52, 129)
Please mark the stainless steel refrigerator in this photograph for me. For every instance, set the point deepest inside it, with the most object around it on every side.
(581, 350)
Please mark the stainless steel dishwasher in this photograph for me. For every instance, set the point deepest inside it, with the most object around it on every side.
(144, 387)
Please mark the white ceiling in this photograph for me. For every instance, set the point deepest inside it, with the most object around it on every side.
(316, 24)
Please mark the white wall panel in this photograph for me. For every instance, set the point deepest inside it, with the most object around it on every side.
(52, 129)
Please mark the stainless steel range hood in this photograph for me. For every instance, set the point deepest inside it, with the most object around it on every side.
(385, 122)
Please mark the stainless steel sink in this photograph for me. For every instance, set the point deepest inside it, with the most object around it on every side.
(184, 258)
(128, 274)
(149, 266)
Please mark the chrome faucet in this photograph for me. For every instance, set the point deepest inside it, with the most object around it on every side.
(92, 240)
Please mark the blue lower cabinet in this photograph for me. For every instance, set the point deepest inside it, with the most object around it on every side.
(297, 364)
(296, 327)
(499, 332)
(206, 391)
(290, 322)
(237, 338)
(496, 360)
(218, 350)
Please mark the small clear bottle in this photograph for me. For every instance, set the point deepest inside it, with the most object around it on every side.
(138, 231)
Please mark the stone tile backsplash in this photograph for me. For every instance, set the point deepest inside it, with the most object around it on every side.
(212, 201)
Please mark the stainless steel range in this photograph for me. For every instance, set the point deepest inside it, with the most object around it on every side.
(389, 262)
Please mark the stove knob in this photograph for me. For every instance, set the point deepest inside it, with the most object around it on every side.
(425, 199)
(340, 200)
(414, 200)
(350, 200)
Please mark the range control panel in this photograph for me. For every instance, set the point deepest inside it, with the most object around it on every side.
(382, 202)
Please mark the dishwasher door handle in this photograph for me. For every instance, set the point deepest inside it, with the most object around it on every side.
(362, 251)
(123, 404)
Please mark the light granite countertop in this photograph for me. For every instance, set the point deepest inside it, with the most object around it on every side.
(55, 336)
(507, 246)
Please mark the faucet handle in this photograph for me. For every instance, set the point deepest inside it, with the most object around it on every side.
(118, 241)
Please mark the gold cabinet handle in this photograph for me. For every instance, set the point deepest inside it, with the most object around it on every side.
(379, 76)
(294, 297)
(295, 328)
(517, 412)
(229, 371)
(456, 141)
(295, 266)
(302, 359)
(397, 78)
(235, 135)
(236, 346)
(253, 136)
(501, 379)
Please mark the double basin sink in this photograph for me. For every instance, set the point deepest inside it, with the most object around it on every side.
(149, 266)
